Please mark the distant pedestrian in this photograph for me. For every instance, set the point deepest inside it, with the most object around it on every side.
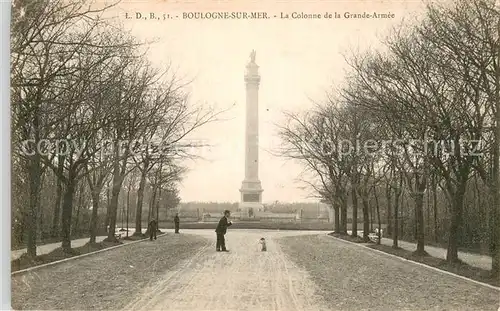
(176, 222)
(263, 247)
(221, 231)
(153, 226)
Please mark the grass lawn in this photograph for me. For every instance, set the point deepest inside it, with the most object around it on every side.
(349, 277)
(461, 268)
(24, 261)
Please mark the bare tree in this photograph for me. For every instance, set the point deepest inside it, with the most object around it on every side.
(46, 38)
(167, 132)
(307, 139)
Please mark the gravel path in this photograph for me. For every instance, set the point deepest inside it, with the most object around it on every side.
(243, 279)
(354, 278)
(105, 281)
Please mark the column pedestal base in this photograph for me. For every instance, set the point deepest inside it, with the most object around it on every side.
(251, 198)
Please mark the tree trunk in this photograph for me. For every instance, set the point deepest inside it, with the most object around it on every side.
(452, 251)
(388, 192)
(140, 199)
(40, 221)
(122, 214)
(342, 200)
(428, 214)
(108, 201)
(366, 219)
(336, 211)
(419, 208)
(113, 212)
(75, 228)
(34, 175)
(495, 236)
(399, 190)
(415, 221)
(78, 207)
(354, 196)
(56, 219)
(343, 212)
(67, 211)
(151, 206)
(495, 228)
(434, 206)
(483, 220)
(115, 194)
(377, 206)
(372, 218)
(128, 206)
(404, 209)
(158, 201)
(93, 220)
(455, 221)
(158, 210)
(40, 213)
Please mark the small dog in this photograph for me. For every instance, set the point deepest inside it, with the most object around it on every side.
(263, 247)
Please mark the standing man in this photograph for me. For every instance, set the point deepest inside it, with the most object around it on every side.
(221, 231)
(152, 229)
(176, 222)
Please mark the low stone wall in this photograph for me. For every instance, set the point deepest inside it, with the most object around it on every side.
(279, 220)
(265, 217)
(320, 219)
(262, 215)
(210, 219)
(187, 219)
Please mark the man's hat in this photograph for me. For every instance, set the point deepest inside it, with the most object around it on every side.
(227, 212)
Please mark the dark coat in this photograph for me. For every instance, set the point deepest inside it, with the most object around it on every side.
(153, 225)
(222, 226)
(176, 219)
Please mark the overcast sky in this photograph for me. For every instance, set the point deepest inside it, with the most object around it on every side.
(299, 61)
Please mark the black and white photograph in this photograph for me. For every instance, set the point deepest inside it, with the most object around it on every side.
(254, 155)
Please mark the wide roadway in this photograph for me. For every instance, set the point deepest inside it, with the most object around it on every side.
(247, 279)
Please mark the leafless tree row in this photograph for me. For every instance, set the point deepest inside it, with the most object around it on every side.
(92, 119)
(423, 114)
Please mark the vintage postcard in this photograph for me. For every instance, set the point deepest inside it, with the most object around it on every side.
(255, 155)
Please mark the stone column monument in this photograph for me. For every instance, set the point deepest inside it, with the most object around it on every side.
(251, 189)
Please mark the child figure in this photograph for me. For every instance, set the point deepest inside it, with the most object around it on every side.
(262, 242)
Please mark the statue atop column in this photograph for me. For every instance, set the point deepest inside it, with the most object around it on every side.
(252, 56)
(252, 68)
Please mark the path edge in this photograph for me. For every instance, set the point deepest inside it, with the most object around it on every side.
(79, 256)
(418, 263)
